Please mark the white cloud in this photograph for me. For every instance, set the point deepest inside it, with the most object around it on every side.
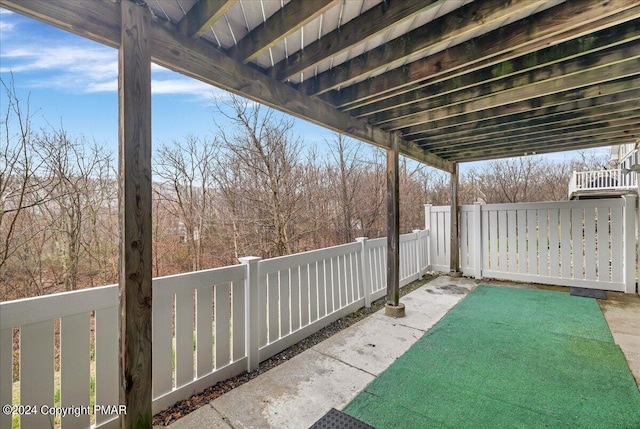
(6, 26)
(86, 67)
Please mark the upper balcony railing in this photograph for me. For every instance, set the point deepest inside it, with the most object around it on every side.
(602, 180)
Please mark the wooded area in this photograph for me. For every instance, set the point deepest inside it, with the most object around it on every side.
(252, 188)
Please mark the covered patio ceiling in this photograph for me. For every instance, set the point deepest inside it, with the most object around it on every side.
(455, 80)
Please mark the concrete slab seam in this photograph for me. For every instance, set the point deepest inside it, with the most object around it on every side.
(222, 416)
(343, 362)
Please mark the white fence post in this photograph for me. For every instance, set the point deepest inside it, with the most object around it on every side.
(427, 216)
(366, 273)
(629, 243)
(427, 227)
(252, 312)
(419, 252)
(477, 240)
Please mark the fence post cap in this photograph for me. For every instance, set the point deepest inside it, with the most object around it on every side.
(362, 238)
(248, 259)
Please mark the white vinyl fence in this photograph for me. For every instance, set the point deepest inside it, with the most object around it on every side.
(587, 243)
(207, 326)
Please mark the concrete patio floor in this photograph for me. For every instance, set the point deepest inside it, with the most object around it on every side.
(331, 374)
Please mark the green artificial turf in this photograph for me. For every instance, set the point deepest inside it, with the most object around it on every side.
(508, 358)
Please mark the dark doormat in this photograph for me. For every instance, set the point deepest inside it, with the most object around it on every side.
(335, 419)
(588, 293)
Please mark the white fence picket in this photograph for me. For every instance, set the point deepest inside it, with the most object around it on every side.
(75, 363)
(590, 238)
(106, 334)
(273, 310)
(314, 303)
(162, 347)
(284, 303)
(466, 263)
(335, 283)
(565, 232)
(6, 374)
(617, 250)
(554, 243)
(238, 318)
(36, 372)
(294, 285)
(532, 242)
(512, 240)
(222, 317)
(577, 248)
(305, 295)
(204, 330)
(184, 336)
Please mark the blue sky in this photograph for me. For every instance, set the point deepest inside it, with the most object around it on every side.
(72, 82)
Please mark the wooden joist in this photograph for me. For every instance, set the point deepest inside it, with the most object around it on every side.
(587, 19)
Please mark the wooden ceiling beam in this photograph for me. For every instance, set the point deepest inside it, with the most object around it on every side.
(471, 20)
(526, 126)
(581, 71)
(537, 117)
(622, 122)
(293, 16)
(564, 22)
(372, 22)
(611, 92)
(199, 59)
(568, 144)
(514, 90)
(202, 16)
(570, 56)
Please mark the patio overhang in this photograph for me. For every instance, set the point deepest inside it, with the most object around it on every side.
(441, 82)
(456, 81)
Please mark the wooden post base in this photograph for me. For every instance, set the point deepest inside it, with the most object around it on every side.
(394, 310)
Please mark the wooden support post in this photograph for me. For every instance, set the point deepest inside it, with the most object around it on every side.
(393, 307)
(454, 266)
(134, 99)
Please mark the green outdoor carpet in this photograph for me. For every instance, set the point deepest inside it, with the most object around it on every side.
(508, 358)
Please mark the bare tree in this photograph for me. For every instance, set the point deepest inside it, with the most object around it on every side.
(23, 180)
(372, 200)
(259, 173)
(344, 166)
(413, 177)
(83, 174)
(185, 169)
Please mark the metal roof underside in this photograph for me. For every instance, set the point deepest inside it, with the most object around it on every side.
(454, 80)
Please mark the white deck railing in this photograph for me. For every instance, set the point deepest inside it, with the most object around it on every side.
(207, 326)
(602, 180)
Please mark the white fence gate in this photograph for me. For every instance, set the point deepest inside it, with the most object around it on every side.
(587, 243)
